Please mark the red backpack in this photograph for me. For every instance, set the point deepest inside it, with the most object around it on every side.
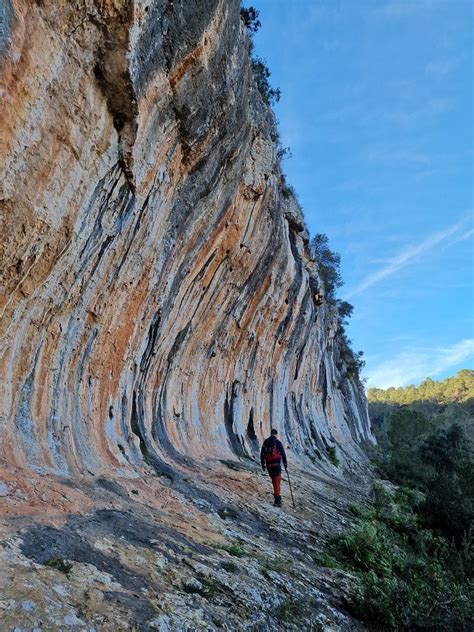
(272, 454)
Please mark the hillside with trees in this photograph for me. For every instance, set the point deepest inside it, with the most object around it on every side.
(432, 404)
(456, 389)
(411, 551)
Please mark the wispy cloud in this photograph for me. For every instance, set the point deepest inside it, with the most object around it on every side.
(408, 255)
(416, 363)
(458, 238)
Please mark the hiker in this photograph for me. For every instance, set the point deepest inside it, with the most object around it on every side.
(271, 456)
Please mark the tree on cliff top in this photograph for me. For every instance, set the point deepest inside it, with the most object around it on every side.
(261, 72)
(329, 266)
(250, 18)
(262, 75)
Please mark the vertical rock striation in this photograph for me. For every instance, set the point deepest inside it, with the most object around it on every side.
(157, 294)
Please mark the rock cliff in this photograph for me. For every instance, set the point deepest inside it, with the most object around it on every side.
(156, 286)
(158, 302)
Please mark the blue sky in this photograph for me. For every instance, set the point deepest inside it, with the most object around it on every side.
(377, 108)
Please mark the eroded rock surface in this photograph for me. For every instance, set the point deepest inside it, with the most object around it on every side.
(209, 553)
(160, 310)
(156, 286)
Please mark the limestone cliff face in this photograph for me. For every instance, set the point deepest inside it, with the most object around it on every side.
(157, 293)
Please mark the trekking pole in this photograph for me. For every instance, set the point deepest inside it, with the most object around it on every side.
(291, 491)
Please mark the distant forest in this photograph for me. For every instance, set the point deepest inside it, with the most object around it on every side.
(457, 389)
(413, 412)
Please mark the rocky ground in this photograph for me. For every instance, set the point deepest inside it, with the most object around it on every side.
(204, 551)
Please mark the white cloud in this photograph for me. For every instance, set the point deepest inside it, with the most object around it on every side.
(416, 363)
(461, 237)
(408, 256)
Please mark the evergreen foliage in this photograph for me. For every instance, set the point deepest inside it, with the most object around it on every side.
(459, 388)
(406, 576)
(345, 309)
(261, 72)
(328, 264)
(250, 18)
(411, 552)
(428, 445)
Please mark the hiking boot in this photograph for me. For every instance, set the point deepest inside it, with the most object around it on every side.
(277, 502)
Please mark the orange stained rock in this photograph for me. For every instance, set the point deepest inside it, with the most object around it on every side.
(108, 232)
(178, 73)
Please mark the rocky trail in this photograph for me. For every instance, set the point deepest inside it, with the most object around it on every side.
(206, 551)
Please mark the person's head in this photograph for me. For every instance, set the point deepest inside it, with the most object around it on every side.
(274, 432)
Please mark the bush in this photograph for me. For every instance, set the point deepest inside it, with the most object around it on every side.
(329, 270)
(345, 309)
(250, 18)
(406, 576)
(449, 482)
(283, 153)
(59, 564)
(354, 361)
(233, 549)
(262, 74)
(290, 609)
(332, 456)
(328, 264)
(439, 463)
(424, 528)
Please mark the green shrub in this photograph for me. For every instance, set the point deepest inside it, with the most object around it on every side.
(211, 587)
(422, 532)
(322, 559)
(59, 564)
(437, 462)
(207, 587)
(250, 18)
(287, 191)
(329, 264)
(233, 549)
(274, 566)
(406, 576)
(262, 74)
(332, 456)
